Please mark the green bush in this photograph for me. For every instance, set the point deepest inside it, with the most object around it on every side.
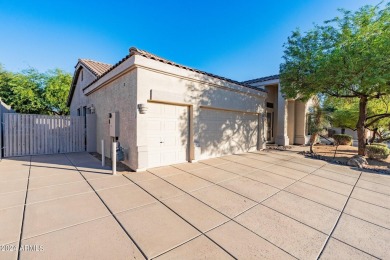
(377, 151)
(380, 144)
(342, 139)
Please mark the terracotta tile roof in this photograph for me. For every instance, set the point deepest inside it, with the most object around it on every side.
(96, 67)
(261, 79)
(135, 51)
(149, 55)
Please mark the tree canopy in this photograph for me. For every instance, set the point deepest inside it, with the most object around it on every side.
(346, 57)
(32, 92)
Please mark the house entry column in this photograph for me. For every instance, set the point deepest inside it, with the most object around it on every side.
(281, 136)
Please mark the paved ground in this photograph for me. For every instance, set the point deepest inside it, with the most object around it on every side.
(274, 205)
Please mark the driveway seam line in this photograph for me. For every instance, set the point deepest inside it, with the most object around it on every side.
(344, 175)
(185, 242)
(373, 191)
(218, 184)
(366, 221)
(388, 186)
(337, 220)
(162, 202)
(138, 247)
(24, 212)
(335, 238)
(312, 200)
(284, 214)
(66, 227)
(334, 179)
(345, 184)
(342, 165)
(233, 218)
(257, 169)
(60, 184)
(260, 203)
(230, 218)
(241, 155)
(270, 186)
(370, 203)
(324, 188)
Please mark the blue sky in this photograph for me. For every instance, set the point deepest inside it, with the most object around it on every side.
(236, 39)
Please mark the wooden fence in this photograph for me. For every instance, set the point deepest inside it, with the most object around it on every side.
(39, 134)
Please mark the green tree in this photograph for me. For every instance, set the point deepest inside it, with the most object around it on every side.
(346, 114)
(347, 57)
(26, 90)
(32, 92)
(56, 91)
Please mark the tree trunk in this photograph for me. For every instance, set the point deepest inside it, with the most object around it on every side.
(360, 125)
(313, 138)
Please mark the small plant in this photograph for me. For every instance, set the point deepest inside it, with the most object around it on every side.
(377, 152)
(380, 144)
(342, 139)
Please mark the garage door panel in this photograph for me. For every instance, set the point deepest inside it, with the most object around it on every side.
(167, 135)
(226, 132)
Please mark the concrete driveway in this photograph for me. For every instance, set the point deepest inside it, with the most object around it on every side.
(275, 205)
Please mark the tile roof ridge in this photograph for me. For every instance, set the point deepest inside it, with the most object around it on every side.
(271, 77)
(146, 54)
(83, 59)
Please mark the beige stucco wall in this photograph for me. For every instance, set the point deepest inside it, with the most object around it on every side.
(186, 87)
(118, 95)
(79, 99)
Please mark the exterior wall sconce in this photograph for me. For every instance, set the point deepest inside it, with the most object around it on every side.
(92, 109)
(142, 108)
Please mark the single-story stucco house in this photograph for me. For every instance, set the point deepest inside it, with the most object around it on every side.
(353, 133)
(166, 113)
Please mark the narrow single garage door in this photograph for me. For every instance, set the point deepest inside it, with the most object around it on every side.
(167, 134)
(226, 132)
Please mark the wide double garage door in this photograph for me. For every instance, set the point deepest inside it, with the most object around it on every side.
(224, 132)
(218, 132)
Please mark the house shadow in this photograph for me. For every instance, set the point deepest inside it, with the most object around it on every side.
(224, 121)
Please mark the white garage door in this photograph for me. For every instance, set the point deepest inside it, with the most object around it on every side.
(167, 134)
(226, 132)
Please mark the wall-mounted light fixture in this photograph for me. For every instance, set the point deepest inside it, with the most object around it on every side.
(142, 108)
(92, 109)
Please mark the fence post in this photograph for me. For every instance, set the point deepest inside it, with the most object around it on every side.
(113, 158)
(103, 156)
(1, 132)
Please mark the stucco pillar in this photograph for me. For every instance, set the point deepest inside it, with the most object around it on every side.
(300, 122)
(281, 136)
(261, 143)
(291, 121)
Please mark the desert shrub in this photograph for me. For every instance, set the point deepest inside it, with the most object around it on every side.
(342, 139)
(377, 151)
(380, 144)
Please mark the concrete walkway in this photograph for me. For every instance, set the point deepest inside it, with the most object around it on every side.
(275, 205)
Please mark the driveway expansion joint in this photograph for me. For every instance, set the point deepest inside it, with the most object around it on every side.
(112, 214)
(338, 219)
(24, 210)
(162, 202)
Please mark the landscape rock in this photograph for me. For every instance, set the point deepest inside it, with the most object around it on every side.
(357, 161)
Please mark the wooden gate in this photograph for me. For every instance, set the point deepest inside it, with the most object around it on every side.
(40, 134)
